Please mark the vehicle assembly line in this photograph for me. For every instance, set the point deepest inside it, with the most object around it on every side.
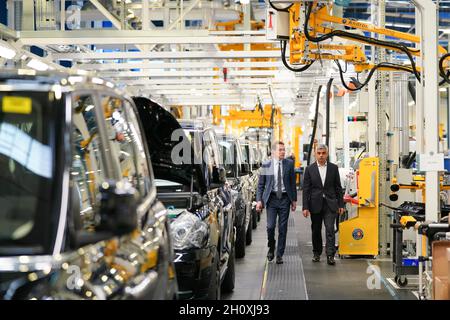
(224, 150)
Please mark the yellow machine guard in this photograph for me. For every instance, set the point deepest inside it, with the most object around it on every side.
(359, 235)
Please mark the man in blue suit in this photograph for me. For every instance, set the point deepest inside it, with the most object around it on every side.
(277, 193)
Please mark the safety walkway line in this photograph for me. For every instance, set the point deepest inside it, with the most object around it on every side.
(283, 281)
(303, 274)
(264, 282)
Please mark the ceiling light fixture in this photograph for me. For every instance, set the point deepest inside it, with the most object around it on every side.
(6, 51)
(37, 65)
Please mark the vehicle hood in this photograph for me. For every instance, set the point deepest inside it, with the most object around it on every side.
(159, 125)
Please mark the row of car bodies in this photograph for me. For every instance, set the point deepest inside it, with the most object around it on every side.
(107, 197)
(79, 216)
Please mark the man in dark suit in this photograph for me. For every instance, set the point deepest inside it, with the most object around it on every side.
(323, 200)
(276, 191)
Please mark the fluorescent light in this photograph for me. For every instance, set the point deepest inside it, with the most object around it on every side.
(6, 52)
(97, 80)
(411, 103)
(442, 89)
(27, 72)
(37, 65)
(75, 79)
(399, 25)
(82, 72)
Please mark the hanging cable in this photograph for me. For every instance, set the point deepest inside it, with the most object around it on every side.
(371, 72)
(348, 35)
(281, 9)
(327, 120)
(314, 126)
(283, 44)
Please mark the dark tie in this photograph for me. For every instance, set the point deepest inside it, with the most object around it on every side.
(279, 193)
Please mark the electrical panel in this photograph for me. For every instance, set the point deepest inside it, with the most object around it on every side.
(363, 100)
(277, 25)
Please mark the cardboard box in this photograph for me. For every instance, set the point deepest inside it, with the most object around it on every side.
(441, 269)
(441, 288)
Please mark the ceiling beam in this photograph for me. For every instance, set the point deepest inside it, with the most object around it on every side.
(305, 81)
(131, 37)
(209, 87)
(179, 65)
(220, 88)
(180, 73)
(168, 55)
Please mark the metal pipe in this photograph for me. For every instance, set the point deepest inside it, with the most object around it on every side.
(402, 112)
(393, 127)
(419, 253)
(327, 119)
(314, 126)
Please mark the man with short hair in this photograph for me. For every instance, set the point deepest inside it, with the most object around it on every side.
(323, 200)
(276, 191)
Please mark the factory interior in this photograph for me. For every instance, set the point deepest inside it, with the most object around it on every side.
(135, 137)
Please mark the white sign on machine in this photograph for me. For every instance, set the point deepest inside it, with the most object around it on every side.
(431, 162)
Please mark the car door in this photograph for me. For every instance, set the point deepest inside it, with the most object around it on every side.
(155, 223)
(226, 212)
(90, 270)
(151, 246)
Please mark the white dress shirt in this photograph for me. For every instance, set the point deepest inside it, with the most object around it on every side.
(275, 171)
(322, 172)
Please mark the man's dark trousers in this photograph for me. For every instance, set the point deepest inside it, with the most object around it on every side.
(277, 207)
(329, 219)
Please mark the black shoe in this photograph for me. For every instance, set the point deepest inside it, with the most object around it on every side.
(330, 260)
(270, 255)
(279, 260)
(316, 258)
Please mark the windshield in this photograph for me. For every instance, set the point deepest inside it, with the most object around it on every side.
(244, 149)
(228, 159)
(27, 159)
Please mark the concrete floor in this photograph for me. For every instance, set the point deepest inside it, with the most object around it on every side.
(300, 279)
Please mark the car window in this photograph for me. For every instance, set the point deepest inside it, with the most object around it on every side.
(87, 170)
(123, 139)
(227, 155)
(244, 153)
(210, 142)
(28, 156)
(144, 171)
(208, 159)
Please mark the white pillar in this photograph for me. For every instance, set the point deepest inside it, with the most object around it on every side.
(419, 92)
(430, 83)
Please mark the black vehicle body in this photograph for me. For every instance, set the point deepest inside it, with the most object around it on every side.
(239, 179)
(251, 156)
(79, 219)
(194, 191)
